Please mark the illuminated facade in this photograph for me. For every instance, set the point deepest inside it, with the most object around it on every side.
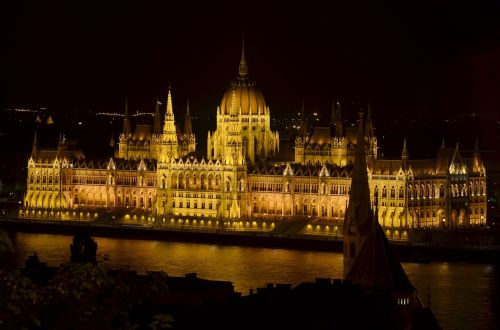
(156, 171)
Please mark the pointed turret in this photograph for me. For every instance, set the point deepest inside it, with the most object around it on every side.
(169, 137)
(169, 123)
(126, 121)
(457, 166)
(303, 121)
(157, 122)
(337, 117)
(243, 68)
(404, 153)
(170, 109)
(112, 141)
(61, 145)
(369, 123)
(359, 214)
(476, 157)
(34, 148)
(188, 128)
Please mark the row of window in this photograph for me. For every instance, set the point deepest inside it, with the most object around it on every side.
(313, 188)
(194, 205)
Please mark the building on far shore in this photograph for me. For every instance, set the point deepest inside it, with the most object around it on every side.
(158, 173)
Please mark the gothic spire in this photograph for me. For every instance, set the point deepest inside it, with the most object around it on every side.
(126, 120)
(157, 122)
(303, 121)
(170, 110)
(112, 140)
(369, 123)
(188, 128)
(60, 144)
(404, 153)
(243, 68)
(477, 163)
(34, 148)
(359, 211)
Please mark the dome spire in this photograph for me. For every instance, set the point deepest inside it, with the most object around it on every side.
(243, 69)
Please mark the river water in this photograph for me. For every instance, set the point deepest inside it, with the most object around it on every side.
(464, 295)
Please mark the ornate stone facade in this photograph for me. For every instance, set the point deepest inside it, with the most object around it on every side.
(156, 171)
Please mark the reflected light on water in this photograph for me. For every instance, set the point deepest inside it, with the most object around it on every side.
(463, 295)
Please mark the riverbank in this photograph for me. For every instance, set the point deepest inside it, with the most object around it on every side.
(406, 251)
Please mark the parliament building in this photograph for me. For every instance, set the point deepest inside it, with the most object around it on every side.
(157, 174)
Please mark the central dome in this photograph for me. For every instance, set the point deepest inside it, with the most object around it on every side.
(247, 96)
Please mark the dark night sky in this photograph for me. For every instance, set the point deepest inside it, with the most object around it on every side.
(89, 55)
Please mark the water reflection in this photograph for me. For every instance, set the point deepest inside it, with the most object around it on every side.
(463, 295)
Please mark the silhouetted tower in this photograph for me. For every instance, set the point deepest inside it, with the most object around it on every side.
(359, 214)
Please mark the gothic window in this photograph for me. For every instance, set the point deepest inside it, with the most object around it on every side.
(393, 192)
(384, 192)
(375, 191)
(441, 191)
(401, 192)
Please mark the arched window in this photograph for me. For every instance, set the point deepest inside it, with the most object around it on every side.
(401, 192)
(375, 191)
(393, 192)
(441, 191)
(384, 192)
